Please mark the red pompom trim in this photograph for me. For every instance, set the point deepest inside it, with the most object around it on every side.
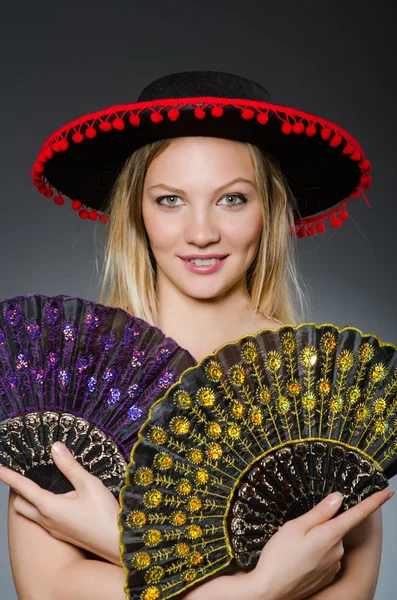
(76, 204)
(173, 114)
(38, 167)
(348, 149)
(326, 133)
(134, 120)
(217, 111)
(247, 114)
(90, 133)
(63, 145)
(311, 130)
(59, 201)
(291, 121)
(298, 128)
(262, 118)
(336, 222)
(105, 126)
(199, 113)
(286, 128)
(118, 124)
(335, 141)
(78, 137)
(156, 117)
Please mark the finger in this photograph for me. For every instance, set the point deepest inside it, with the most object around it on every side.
(348, 520)
(26, 509)
(69, 466)
(23, 486)
(322, 512)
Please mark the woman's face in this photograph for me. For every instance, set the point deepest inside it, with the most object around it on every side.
(202, 214)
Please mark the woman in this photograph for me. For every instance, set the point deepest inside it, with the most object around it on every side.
(201, 243)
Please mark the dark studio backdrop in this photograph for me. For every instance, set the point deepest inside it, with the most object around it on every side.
(333, 58)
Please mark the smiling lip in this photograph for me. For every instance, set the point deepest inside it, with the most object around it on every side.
(203, 269)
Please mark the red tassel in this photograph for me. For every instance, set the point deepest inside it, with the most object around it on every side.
(356, 194)
(103, 218)
(335, 141)
(199, 113)
(105, 126)
(59, 201)
(93, 215)
(336, 222)
(248, 113)
(90, 133)
(311, 230)
(344, 215)
(76, 204)
(286, 128)
(326, 133)
(118, 124)
(83, 214)
(298, 128)
(135, 120)
(262, 118)
(348, 149)
(156, 117)
(356, 155)
(55, 147)
(41, 158)
(173, 114)
(217, 111)
(48, 193)
(311, 130)
(48, 153)
(302, 232)
(320, 228)
(77, 137)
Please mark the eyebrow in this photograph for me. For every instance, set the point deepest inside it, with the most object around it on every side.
(219, 189)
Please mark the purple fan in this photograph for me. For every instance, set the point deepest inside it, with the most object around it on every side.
(81, 373)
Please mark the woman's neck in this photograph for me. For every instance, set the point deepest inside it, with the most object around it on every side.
(201, 326)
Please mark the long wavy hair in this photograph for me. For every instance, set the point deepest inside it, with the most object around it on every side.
(129, 268)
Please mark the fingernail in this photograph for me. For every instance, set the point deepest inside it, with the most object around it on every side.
(334, 499)
(59, 448)
(390, 494)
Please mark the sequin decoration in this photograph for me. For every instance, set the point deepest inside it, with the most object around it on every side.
(255, 435)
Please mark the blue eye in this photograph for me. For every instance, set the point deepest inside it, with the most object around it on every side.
(231, 200)
(168, 201)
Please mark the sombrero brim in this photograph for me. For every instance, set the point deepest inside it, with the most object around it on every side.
(324, 165)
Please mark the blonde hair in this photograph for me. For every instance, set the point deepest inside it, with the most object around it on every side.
(129, 275)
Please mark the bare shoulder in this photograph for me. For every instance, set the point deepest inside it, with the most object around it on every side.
(262, 322)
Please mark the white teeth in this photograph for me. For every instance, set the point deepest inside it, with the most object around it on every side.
(204, 261)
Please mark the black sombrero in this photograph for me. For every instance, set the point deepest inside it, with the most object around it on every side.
(324, 165)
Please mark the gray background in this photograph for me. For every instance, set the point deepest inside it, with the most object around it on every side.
(332, 58)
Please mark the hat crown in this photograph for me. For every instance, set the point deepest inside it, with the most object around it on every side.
(193, 84)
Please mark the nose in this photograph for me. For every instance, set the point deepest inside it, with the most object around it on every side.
(201, 227)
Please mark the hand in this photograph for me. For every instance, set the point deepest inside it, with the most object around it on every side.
(85, 517)
(305, 554)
